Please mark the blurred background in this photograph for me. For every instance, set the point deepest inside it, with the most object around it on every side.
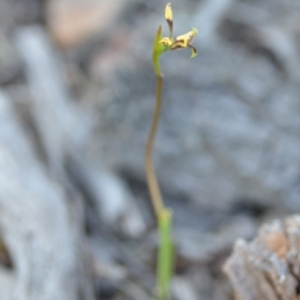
(76, 101)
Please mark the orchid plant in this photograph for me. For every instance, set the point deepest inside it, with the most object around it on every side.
(181, 41)
(165, 257)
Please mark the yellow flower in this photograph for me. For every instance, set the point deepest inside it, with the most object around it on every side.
(166, 41)
(181, 41)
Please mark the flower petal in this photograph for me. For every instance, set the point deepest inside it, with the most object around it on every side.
(194, 50)
(188, 37)
(179, 44)
(169, 18)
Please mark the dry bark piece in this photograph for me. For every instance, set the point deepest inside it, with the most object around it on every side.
(35, 223)
(64, 129)
(267, 267)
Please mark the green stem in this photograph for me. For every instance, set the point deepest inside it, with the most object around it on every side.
(165, 258)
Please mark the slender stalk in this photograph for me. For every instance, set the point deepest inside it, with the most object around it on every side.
(154, 189)
(165, 257)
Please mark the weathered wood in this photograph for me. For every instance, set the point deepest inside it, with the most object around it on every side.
(35, 220)
(63, 126)
(269, 266)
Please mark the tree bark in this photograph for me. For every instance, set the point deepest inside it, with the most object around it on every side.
(268, 267)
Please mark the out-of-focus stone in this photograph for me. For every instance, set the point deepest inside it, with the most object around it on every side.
(71, 22)
(196, 246)
(229, 123)
(7, 282)
(183, 289)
